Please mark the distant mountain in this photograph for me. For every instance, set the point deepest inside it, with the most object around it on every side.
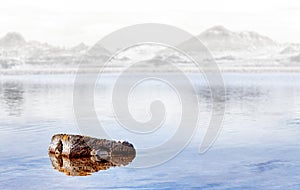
(219, 38)
(225, 45)
(15, 50)
(98, 50)
(96, 54)
(289, 50)
(80, 48)
(12, 39)
(295, 58)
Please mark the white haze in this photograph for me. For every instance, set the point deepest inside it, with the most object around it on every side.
(67, 23)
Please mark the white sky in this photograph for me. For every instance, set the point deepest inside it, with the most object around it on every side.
(69, 22)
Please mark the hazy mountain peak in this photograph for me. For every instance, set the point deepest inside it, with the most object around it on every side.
(295, 58)
(221, 39)
(289, 50)
(12, 39)
(80, 47)
(218, 29)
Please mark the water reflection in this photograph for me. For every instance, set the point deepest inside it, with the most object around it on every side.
(236, 93)
(87, 166)
(13, 97)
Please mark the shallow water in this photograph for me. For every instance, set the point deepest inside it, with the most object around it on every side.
(257, 148)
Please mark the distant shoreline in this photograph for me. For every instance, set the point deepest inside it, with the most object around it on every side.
(163, 71)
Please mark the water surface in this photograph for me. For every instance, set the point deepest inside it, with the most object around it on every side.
(258, 147)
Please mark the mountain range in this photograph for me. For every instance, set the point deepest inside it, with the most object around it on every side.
(15, 50)
(220, 38)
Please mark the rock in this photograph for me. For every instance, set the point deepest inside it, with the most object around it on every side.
(78, 146)
(77, 155)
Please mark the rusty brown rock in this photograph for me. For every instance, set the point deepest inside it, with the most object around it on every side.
(78, 146)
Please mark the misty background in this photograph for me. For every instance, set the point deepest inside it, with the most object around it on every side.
(67, 23)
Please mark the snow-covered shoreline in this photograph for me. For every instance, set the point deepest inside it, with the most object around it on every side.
(72, 71)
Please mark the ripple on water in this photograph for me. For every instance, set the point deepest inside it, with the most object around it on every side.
(267, 166)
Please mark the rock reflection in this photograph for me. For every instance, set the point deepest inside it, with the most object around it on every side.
(87, 166)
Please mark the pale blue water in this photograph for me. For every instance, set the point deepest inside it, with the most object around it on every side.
(258, 147)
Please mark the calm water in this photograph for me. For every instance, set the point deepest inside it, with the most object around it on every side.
(258, 147)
